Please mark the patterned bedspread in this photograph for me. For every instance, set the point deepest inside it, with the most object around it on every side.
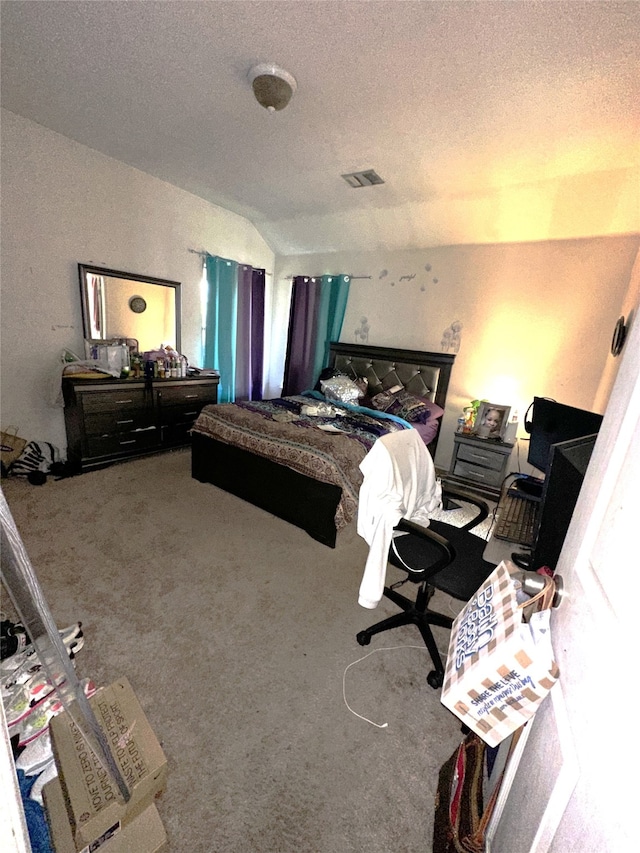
(280, 431)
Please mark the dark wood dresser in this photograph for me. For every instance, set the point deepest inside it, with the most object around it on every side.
(108, 420)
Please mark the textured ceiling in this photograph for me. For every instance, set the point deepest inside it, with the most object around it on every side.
(454, 104)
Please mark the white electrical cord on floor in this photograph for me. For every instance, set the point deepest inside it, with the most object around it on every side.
(344, 678)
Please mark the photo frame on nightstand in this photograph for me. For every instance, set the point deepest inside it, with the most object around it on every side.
(491, 421)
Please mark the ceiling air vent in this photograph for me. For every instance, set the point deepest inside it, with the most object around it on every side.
(363, 179)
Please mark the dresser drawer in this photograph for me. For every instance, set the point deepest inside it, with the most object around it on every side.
(470, 471)
(180, 405)
(170, 415)
(177, 433)
(194, 394)
(117, 422)
(114, 444)
(487, 457)
(120, 400)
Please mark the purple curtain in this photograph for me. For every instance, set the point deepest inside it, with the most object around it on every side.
(318, 307)
(303, 335)
(250, 333)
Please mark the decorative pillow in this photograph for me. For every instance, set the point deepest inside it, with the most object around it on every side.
(382, 401)
(326, 373)
(341, 388)
(409, 407)
(435, 411)
(428, 431)
(406, 406)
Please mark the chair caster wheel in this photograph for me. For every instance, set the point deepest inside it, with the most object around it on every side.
(435, 679)
(363, 638)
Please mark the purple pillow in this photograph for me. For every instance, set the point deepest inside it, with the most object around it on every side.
(428, 431)
(435, 410)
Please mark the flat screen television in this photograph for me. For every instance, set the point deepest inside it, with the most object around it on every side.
(568, 461)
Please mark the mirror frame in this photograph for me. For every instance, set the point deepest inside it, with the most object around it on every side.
(84, 269)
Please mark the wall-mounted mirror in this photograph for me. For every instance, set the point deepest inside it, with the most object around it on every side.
(119, 305)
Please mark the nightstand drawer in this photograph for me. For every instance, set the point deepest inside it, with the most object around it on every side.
(471, 471)
(487, 457)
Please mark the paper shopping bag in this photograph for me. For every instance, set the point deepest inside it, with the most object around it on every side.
(11, 446)
(499, 667)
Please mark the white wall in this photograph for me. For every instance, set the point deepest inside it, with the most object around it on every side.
(64, 204)
(537, 318)
(629, 312)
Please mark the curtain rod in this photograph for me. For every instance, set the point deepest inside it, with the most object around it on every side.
(204, 254)
(352, 277)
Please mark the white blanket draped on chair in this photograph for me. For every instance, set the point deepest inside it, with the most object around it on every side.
(399, 482)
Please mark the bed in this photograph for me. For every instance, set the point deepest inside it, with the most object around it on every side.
(310, 477)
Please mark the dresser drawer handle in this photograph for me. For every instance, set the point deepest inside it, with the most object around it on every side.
(476, 474)
(132, 441)
(130, 421)
(479, 456)
(188, 414)
(190, 396)
(123, 401)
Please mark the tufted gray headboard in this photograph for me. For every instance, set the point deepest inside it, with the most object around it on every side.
(425, 374)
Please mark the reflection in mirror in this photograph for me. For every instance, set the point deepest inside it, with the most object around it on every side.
(118, 305)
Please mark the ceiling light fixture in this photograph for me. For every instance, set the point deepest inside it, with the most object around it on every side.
(273, 86)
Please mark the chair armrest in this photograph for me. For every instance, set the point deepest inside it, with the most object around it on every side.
(463, 495)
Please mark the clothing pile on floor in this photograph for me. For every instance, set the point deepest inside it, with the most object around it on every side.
(30, 701)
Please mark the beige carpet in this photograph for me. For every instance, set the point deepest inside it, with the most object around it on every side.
(235, 630)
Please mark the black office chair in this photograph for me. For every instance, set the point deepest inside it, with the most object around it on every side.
(442, 557)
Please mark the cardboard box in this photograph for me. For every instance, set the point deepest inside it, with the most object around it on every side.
(144, 834)
(57, 817)
(93, 801)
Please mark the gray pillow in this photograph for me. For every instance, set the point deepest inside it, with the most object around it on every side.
(342, 389)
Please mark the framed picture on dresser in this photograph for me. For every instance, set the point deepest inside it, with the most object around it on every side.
(491, 420)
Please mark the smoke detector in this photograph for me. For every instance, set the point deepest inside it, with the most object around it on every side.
(273, 86)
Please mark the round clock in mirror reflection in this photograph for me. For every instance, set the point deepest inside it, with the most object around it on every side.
(137, 304)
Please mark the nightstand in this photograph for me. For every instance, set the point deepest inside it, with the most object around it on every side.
(479, 463)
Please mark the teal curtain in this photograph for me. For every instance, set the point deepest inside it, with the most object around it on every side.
(334, 292)
(220, 325)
